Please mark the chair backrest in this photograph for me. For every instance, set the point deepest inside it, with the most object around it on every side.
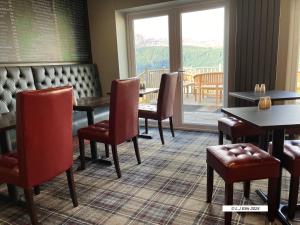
(44, 134)
(123, 114)
(214, 78)
(166, 95)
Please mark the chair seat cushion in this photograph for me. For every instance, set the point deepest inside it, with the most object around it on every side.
(291, 157)
(9, 168)
(242, 162)
(97, 132)
(9, 160)
(148, 111)
(236, 128)
(104, 124)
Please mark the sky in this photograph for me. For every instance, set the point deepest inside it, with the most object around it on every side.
(206, 26)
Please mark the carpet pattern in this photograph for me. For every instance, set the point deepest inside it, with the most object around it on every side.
(169, 187)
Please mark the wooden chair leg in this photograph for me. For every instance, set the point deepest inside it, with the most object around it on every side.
(82, 154)
(116, 159)
(106, 150)
(246, 189)
(37, 190)
(210, 183)
(293, 196)
(220, 137)
(136, 149)
(228, 201)
(161, 132)
(71, 185)
(233, 140)
(272, 192)
(146, 126)
(30, 205)
(171, 126)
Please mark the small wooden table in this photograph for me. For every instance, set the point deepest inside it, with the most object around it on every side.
(146, 91)
(89, 105)
(275, 95)
(275, 119)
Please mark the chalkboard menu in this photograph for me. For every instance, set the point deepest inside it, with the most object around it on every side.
(44, 31)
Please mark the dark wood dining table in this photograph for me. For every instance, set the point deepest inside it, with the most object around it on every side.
(276, 119)
(275, 95)
(147, 91)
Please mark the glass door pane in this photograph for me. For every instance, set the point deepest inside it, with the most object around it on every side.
(151, 44)
(202, 60)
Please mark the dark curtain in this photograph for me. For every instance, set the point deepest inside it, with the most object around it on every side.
(257, 27)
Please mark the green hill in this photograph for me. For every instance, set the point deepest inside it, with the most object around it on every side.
(157, 57)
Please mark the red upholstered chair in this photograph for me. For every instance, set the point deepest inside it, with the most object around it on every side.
(164, 107)
(122, 124)
(44, 142)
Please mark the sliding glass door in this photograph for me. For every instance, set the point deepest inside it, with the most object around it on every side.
(202, 38)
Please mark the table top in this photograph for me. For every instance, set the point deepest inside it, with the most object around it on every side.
(90, 103)
(278, 116)
(7, 121)
(275, 95)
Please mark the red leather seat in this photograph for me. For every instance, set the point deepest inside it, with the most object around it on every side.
(242, 162)
(165, 103)
(235, 128)
(44, 142)
(122, 124)
(291, 162)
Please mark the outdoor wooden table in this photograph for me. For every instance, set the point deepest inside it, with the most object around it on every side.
(89, 105)
(275, 119)
(275, 95)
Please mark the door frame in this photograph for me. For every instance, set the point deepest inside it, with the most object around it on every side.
(174, 11)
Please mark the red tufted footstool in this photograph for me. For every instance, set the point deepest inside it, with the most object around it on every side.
(242, 162)
(235, 129)
(291, 162)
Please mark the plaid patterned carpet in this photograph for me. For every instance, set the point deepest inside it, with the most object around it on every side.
(169, 187)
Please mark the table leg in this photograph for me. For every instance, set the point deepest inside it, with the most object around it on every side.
(90, 117)
(5, 142)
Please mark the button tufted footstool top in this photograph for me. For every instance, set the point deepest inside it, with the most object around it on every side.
(235, 128)
(291, 162)
(240, 162)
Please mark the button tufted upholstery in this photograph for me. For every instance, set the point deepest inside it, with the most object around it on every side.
(242, 162)
(13, 80)
(291, 162)
(235, 128)
(291, 156)
(239, 162)
(83, 78)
